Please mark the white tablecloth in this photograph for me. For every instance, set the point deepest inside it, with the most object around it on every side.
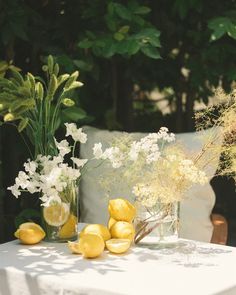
(189, 268)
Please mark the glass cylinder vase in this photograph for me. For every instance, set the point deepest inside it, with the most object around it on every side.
(60, 219)
(158, 225)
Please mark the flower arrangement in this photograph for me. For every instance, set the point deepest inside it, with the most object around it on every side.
(56, 182)
(159, 171)
(50, 175)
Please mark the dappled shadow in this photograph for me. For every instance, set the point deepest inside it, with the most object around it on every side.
(47, 263)
(50, 259)
(184, 253)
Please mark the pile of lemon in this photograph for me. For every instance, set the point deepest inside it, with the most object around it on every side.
(117, 237)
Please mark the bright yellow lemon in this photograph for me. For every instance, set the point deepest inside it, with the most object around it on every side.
(91, 245)
(121, 210)
(74, 247)
(99, 229)
(122, 230)
(118, 246)
(56, 214)
(30, 233)
(68, 230)
(111, 221)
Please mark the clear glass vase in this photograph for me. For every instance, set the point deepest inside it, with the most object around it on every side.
(158, 225)
(60, 219)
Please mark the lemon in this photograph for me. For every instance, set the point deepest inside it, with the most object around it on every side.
(68, 230)
(118, 246)
(122, 230)
(74, 247)
(91, 245)
(121, 210)
(99, 229)
(111, 221)
(30, 233)
(56, 214)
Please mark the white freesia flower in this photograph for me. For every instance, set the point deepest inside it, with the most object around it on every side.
(30, 166)
(79, 162)
(50, 175)
(97, 150)
(76, 134)
(15, 190)
(63, 147)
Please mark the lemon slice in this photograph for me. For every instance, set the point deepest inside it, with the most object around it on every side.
(118, 246)
(74, 247)
(56, 214)
(68, 230)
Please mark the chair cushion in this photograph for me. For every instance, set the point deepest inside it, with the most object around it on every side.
(195, 209)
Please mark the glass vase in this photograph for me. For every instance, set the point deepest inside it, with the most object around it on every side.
(158, 225)
(60, 219)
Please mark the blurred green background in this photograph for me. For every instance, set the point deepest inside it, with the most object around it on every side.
(144, 64)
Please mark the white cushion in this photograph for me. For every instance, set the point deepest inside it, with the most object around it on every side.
(195, 210)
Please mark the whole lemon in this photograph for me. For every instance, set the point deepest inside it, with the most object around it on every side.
(68, 230)
(121, 210)
(99, 229)
(30, 233)
(122, 230)
(118, 246)
(111, 221)
(91, 245)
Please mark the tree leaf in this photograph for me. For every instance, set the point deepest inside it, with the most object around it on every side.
(86, 43)
(151, 52)
(142, 10)
(122, 11)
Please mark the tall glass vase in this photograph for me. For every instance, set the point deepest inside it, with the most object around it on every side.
(158, 225)
(60, 219)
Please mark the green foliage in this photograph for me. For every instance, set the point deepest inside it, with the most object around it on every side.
(27, 215)
(125, 31)
(222, 26)
(35, 104)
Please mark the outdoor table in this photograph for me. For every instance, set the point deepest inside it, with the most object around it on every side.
(187, 268)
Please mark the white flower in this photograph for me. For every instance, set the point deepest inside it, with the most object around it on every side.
(76, 134)
(30, 166)
(79, 162)
(63, 147)
(14, 190)
(22, 179)
(114, 155)
(97, 150)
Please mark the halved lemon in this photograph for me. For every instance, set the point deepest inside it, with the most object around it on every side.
(56, 214)
(118, 246)
(74, 247)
